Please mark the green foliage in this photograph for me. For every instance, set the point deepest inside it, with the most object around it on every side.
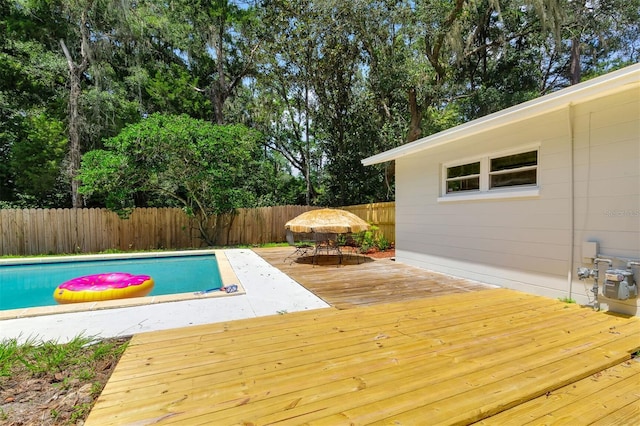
(326, 82)
(32, 135)
(105, 176)
(383, 243)
(372, 239)
(80, 412)
(176, 160)
(171, 91)
(49, 357)
(105, 113)
(36, 158)
(9, 350)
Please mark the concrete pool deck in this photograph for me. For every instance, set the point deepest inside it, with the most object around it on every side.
(268, 292)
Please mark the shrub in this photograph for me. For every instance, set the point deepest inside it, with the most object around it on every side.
(372, 239)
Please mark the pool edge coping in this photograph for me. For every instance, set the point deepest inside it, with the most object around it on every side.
(227, 275)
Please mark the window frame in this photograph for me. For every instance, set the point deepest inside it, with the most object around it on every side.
(485, 192)
(462, 178)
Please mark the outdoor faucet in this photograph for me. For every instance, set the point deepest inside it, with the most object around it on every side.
(598, 259)
(584, 273)
(595, 271)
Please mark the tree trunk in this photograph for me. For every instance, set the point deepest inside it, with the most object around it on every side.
(414, 133)
(219, 89)
(75, 91)
(217, 98)
(74, 138)
(575, 68)
(307, 154)
(416, 116)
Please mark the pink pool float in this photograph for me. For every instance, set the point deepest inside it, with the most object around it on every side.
(92, 288)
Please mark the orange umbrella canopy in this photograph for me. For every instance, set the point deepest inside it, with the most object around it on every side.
(329, 221)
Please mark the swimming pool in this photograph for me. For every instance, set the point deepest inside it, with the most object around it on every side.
(30, 282)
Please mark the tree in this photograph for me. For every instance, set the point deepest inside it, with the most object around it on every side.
(345, 128)
(327, 82)
(286, 104)
(97, 30)
(499, 63)
(82, 34)
(38, 158)
(596, 32)
(175, 160)
(31, 132)
(215, 39)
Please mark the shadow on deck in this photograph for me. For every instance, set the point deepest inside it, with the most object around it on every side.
(359, 280)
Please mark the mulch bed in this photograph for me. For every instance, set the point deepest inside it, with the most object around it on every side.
(377, 254)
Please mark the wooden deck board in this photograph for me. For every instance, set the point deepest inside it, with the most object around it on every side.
(616, 388)
(373, 364)
(366, 283)
(455, 358)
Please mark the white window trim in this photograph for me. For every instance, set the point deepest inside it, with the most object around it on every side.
(484, 193)
(446, 180)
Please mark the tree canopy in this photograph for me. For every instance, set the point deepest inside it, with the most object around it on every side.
(302, 90)
(176, 160)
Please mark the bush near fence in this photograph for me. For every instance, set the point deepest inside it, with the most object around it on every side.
(382, 215)
(57, 231)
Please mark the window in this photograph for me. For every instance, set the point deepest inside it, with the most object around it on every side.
(465, 177)
(492, 175)
(514, 170)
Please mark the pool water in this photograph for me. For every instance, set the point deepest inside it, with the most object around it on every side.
(31, 285)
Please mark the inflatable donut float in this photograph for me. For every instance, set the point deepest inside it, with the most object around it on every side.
(92, 288)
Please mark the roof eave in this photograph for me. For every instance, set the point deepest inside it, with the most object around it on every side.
(600, 86)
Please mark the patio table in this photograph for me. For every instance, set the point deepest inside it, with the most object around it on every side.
(326, 225)
(326, 244)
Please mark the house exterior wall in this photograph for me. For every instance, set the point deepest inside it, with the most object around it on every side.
(532, 243)
(607, 184)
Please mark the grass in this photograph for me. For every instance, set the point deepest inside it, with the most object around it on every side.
(79, 367)
(37, 359)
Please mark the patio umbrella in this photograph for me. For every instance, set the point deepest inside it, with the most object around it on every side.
(327, 221)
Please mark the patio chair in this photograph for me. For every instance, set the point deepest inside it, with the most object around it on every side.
(327, 244)
(349, 247)
(302, 247)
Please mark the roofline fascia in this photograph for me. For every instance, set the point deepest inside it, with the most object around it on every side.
(613, 82)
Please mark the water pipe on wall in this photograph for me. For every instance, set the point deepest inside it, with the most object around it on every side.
(584, 273)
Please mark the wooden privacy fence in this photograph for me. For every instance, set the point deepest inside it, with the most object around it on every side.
(382, 215)
(58, 231)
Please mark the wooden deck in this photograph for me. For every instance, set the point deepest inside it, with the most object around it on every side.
(496, 356)
(360, 281)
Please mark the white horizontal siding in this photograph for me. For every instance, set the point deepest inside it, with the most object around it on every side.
(609, 111)
(496, 233)
(535, 282)
(610, 186)
(600, 168)
(526, 244)
(607, 176)
(607, 213)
